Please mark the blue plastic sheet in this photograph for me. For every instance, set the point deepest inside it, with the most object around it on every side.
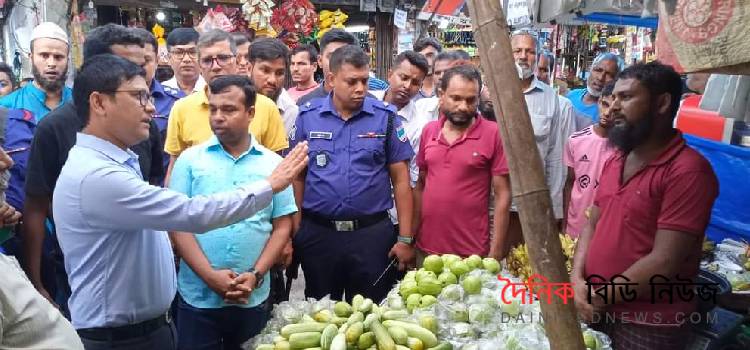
(730, 217)
(621, 20)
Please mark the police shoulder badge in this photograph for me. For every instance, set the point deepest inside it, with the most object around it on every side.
(401, 133)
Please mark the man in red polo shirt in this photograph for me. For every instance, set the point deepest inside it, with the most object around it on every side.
(460, 156)
(649, 215)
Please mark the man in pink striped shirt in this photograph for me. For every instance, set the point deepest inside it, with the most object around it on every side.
(584, 155)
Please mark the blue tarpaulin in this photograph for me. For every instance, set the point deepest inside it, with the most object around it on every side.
(622, 20)
(730, 217)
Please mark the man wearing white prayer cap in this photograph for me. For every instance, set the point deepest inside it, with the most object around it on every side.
(49, 65)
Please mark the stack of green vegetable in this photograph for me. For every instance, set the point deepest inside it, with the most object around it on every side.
(450, 303)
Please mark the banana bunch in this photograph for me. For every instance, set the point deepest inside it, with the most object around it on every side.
(518, 260)
(331, 19)
(708, 246)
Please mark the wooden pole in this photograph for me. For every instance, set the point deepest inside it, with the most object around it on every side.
(530, 191)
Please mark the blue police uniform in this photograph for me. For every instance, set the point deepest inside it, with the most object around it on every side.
(19, 131)
(346, 234)
(164, 99)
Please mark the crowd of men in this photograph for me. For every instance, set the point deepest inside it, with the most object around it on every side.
(161, 215)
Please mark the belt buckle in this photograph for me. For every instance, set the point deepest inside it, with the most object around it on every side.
(345, 226)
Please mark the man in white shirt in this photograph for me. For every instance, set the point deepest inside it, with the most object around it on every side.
(428, 106)
(269, 62)
(552, 125)
(183, 58)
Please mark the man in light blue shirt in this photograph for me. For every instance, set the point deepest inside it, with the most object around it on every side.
(110, 223)
(604, 70)
(229, 159)
(49, 64)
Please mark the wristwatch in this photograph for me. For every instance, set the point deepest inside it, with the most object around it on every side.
(258, 276)
(406, 240)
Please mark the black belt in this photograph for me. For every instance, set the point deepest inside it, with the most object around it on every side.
(130, 331)
(345, 225)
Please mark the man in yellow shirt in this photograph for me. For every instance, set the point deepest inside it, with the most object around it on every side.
(188, 121)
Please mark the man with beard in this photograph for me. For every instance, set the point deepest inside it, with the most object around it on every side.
(460, 160)
(552, 125)
(404, 80)
(49, 64)
(429, 48)
(358, 147)
(269, 61)
(603, 71)
(183, 58)
(53, 138)
(584, 155)
(428, 107)
(188, 122)
(649, 217)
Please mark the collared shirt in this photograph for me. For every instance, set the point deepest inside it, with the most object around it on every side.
(208, 169)
(676, 192)
(189, 126)
(586, 113)
(288, 109)
(55, 136)
(420, 95)
(413, 123)
(164, 99)
(18, 134)
(427, 108)
(347, 176)
(31, 98)
(111, 227)
(552, 126)
(457, 187)
(200, 84)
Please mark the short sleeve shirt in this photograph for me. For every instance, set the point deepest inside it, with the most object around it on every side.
(189, 126)
(586, 153)
(19, 131)
(347, 175)
(583, 110)
(208, 169)
(674, 192)
(32, 99)
(457, 187)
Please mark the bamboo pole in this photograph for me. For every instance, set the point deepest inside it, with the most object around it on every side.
(530, 190)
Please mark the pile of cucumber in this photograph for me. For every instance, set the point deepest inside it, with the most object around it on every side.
(361, 325)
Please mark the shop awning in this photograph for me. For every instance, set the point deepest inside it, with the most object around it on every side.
(445, 8)
(630, 13)
(621, 20)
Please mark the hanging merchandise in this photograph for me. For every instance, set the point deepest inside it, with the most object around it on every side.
(215, 19)
(294, 20)
(161, 48)
(331, 19)
(258, 15)
(237, 17)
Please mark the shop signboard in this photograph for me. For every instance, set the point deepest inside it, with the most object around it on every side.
(368, 5)
(387, 5)
(399, 18)
(518, 13)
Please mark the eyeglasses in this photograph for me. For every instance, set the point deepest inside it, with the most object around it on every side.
(144, 96)
(180, 53)
(221, 60)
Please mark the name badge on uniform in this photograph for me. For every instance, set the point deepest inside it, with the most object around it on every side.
(321, 160)
(321, 135)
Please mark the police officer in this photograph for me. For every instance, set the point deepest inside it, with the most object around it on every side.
(358, 147)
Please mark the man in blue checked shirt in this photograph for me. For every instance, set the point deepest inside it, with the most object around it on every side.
(208, 314)
(111, 223)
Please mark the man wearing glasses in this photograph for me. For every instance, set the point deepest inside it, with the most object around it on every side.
(183, 58)
(188, 122)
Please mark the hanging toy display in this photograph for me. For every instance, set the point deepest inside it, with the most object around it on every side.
(161, 43)
(258, 15)
(330, 19)
(295, 21)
